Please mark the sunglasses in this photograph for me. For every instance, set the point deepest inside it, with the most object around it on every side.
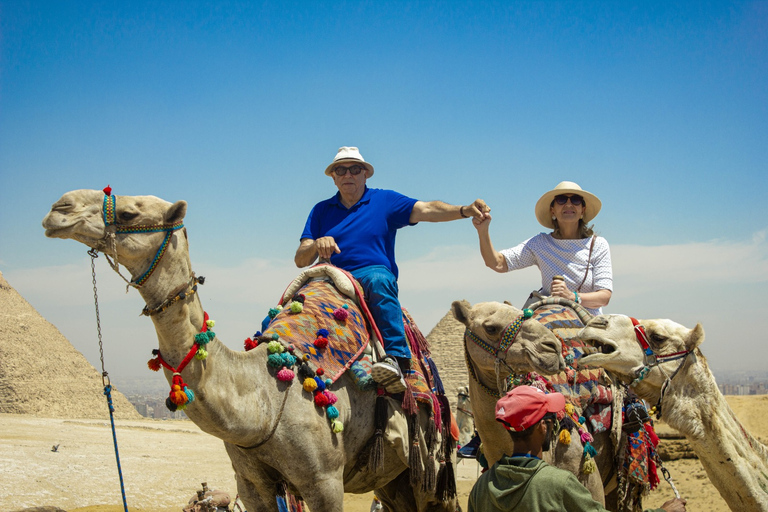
(575, 200)
(354, 170)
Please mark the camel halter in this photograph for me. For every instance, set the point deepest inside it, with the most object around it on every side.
(110, 221)
(651, 359)
(508, 336)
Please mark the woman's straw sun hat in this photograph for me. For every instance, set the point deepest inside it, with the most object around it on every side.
(544, 216)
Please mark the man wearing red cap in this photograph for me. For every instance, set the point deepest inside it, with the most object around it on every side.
(522, 481)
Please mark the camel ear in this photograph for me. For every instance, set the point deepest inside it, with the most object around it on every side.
(461, 311)
(695, 337)
(508, 303)
(176, 212)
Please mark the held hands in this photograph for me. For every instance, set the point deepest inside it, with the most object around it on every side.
(326, 247)
(479, 211)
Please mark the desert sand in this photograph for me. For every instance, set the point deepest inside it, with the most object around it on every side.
(164, 462)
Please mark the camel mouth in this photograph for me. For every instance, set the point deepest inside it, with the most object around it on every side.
(597, 350)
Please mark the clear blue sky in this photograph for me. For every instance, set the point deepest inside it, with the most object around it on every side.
(659, 108)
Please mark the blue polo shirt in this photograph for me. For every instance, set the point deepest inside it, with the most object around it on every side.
(366, 232)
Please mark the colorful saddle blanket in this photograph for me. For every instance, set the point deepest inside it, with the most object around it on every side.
(348, 336)
(588, 389)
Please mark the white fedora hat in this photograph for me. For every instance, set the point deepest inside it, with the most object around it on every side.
(349, 154)
(543, 214)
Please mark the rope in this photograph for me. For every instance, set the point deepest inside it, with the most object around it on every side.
(105, 377)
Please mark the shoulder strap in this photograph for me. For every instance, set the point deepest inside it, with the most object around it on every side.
(589, 258)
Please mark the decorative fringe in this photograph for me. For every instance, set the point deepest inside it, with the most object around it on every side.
(430, 436)
(376, 455)
(414, 461)
(446, 482)
(409, 402)
(430, 476)
(440, 390)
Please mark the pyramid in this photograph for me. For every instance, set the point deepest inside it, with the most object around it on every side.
(42, 374)
(446, 343)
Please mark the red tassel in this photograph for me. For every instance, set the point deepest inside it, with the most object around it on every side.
(652, 435)
(321, 342)
(154, 364)
(321, 400)
(250, 344)
(108, 190)
(653, 476)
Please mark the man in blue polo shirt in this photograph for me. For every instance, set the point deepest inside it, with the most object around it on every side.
(355, 229)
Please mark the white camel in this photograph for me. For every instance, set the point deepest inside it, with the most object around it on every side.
(465, 418)
(271, 429)
(662, 362)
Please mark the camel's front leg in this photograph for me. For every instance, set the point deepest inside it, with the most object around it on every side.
(324, 493)
(255, 499)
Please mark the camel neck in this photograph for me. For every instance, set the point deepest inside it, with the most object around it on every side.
(735, 462)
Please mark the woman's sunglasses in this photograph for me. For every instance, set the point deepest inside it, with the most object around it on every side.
(575, 200)
(353, 170)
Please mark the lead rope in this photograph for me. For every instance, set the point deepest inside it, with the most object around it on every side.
(105, 376)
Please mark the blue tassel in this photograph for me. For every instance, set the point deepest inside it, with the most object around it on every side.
(281, 505)
(589, 449)
(439, 389)
(189, 393)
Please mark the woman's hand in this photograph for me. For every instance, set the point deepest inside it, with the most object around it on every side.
(559, 289)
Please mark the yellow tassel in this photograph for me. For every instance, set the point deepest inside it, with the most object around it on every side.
(210, 323)
(337, 426)
(309, 384)
(589, 466)
(565, 437)
(569, 409)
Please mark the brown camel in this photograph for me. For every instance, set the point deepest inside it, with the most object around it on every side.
(272, 430)
(662, 362)
(535, 349)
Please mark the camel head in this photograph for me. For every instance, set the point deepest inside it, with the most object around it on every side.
(534, 349)
(620, 352)
(136, 228)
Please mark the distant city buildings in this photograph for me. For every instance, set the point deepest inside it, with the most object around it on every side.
(743, 383)
(154, 407)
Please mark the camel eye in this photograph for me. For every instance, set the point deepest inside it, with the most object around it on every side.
(658, 338)
(128, 216)
(491, 329)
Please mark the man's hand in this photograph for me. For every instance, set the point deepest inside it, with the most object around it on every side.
(326, 247)
(675, 505)
(478, 210)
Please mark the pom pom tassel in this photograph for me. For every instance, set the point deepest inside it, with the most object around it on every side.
(154, 364)
(340, 314)
(309, 384)
(285, 374)
(589, 466)
(565, 437)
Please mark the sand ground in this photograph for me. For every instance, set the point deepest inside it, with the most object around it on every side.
(164, 462)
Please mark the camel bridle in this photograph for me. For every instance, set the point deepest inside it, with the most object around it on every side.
(508, 336)
(112, 227)
(651, 360)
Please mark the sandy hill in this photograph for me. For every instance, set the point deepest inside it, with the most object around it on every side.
(446, 342)
(41, 373)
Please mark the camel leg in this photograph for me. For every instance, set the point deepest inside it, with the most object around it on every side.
(324, 493)
(253, 500)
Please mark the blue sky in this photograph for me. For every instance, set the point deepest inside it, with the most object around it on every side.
(659, 108)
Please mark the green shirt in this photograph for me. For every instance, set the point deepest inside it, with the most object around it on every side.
(510, 486)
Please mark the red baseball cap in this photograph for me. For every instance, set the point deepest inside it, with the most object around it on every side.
(524, 406)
